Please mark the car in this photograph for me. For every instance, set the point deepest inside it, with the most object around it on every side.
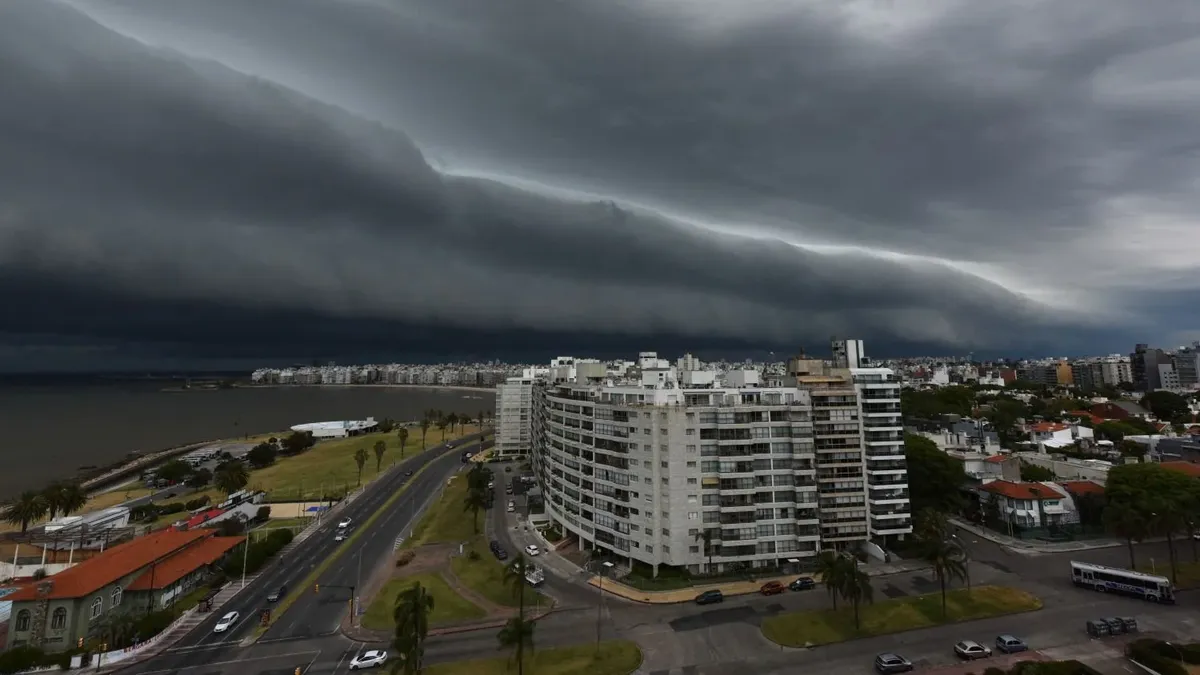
(710, 597)
(277, 594)
(508, 469)
(511, 508)
(532, 550)
(407, 474)
(344, 524)
(970, 650)
(501, 554)
(803, 584)
(1010, 645)
(772, 588)
(892, 663)
(342, 534)
(228, 621)
(372, 659)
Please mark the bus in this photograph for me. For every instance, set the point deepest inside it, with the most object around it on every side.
(1124, 582)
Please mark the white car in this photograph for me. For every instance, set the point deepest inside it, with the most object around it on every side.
(344, 524)
(341, 535)
(226, 622)
(371, 659)
(532, 550)
(969, 650)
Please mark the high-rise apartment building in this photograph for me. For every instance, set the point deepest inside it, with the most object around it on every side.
(643, 461)
(514, 416)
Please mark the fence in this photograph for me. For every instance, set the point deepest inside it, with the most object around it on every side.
(118, 655)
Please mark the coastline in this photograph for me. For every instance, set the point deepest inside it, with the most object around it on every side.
(443, 387)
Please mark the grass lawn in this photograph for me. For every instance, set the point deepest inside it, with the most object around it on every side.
(329, 466)
(190, 600)
(615, 657)
(448, 606)
(276, 523)
(1189, 572)
(797, 629)
(485, 576)
(446, 521)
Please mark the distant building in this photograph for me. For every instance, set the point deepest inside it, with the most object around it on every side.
(340, 429)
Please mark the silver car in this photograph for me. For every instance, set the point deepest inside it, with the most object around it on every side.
(971, 650)
(1010, 645)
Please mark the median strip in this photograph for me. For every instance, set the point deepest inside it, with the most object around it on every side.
(311, 579)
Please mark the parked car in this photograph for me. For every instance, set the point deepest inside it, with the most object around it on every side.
(228, 621)
(803, 584)
(501, 554)
(971, 650)
(277, 594)
(772, 588)
(342, 534)
(407, 474)
(892, 663)
(710, 597)
(371, 659)
(1010, 645)
(532, 550)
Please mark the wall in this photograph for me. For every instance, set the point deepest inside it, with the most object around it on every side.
(10, 571)
(1067, 469)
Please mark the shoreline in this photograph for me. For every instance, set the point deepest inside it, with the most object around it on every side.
(444, 387)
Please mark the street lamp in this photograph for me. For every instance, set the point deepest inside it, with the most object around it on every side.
(604, 568)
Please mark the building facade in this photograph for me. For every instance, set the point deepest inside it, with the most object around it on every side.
(707, 470)
(514, 417)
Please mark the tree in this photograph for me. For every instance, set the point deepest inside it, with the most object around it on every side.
(1035, 473)
(360, 458)
(174, 471)
(411, 613)
(475, 501)
(451, 420)
(402, 436)
(1091, 508)
(64, 498)
(517, 635)
(1115, 431)
(200, 478)
(479, 420)
(832, 570)
(441, 425)
(262, 455)
(1124, 521)
(1167, 406)
(297, 442)
(1157, 500)
(27, 508)
(385, 425)
(705, 537)
(856, 587)
(424, 431)
(948, 561)
(379, 448)
(931, 524)
(514, 579)
(478, 477)
(231, 476)
(934, 478)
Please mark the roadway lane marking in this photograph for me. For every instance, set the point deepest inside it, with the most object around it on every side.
(310, 663)
(243, 660)
(353, 648)
(197, 648)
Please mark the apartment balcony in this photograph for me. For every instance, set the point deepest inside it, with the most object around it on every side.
(891, 526)
(887, 496)
(890, 512)
(888, 482)
(875, 465)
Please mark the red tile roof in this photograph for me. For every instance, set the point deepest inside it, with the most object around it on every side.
(1020, 490)
(1047, 427)
(122, 560)
(185, 562)
(1189, 468)
(996, 459)
(1085, 415)
(203, 517)
(1083, 487)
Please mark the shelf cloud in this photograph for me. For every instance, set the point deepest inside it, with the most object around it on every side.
(948, 174)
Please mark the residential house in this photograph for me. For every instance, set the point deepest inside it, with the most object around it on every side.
(1120, 410)
(139, 576)
(962, 435)
(1069, 468)
(1055, 435)
(1030, 504)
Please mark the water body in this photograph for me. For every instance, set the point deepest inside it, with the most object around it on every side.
(48, 432)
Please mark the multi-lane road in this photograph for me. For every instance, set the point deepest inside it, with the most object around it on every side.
(675, 639)
(315, 615)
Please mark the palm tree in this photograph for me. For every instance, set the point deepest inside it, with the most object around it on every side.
(402, 436)
(231, 476)
(478, 477)
(517, 635)
(29, 507)
(705, 537)
(411, 614)
(479, 420)
(475, 501)
(932, 524)
(360, 458)
(71, 498)
(857, 586)
(452, 419)
(948, 563)
(514, 579)
(832, 569)
(424, 430)
(1128, 523)
(441, 425)
(380, 447)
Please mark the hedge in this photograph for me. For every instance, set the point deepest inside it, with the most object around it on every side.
(259, 553)
(1150, 653)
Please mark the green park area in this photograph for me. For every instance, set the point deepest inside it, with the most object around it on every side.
(615, 657)
(329, 468)
(448, 607)
(820, 627)
(446, 521)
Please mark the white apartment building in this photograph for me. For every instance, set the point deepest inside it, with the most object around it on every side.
(642, 459)
(514, 416)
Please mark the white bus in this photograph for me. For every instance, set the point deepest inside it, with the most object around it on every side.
(1126, 582)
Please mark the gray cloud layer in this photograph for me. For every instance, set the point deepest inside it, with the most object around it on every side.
(291, 181)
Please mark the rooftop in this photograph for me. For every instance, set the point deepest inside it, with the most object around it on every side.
(1021, 490)
(1083, 487)
(1190, 468)
(185, 562)
(119, 561)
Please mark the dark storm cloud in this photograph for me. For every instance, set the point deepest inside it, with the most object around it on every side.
(173, 189)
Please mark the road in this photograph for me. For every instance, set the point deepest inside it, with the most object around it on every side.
(313, 614)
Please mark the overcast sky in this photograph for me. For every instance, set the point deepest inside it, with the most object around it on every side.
(234, 179)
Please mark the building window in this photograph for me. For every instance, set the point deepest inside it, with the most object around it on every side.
(97, 608)
(690, 432)
(692, 515)
(116, 596)
(23, 617)
(693, 549)
(58, 620)
(691, 465)
(691, 481)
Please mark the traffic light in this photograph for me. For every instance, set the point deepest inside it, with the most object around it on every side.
(80, 643)
(297, 670)
(316, 588)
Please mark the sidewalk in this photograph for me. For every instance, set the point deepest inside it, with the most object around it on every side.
(1034, 547)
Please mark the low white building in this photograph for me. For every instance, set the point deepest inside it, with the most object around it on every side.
(338, 429)
(1031, 504)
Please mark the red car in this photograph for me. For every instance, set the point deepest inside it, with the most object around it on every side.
(772, 588)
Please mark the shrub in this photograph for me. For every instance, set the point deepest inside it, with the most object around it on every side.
(173, 507)
(404, 558)
(473, 555)
(197, 503)
(1147, 652)
(263, 514)
(1052, 668)
(20, 658)
(153, 623)
(994, 671)
(1190, 653)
